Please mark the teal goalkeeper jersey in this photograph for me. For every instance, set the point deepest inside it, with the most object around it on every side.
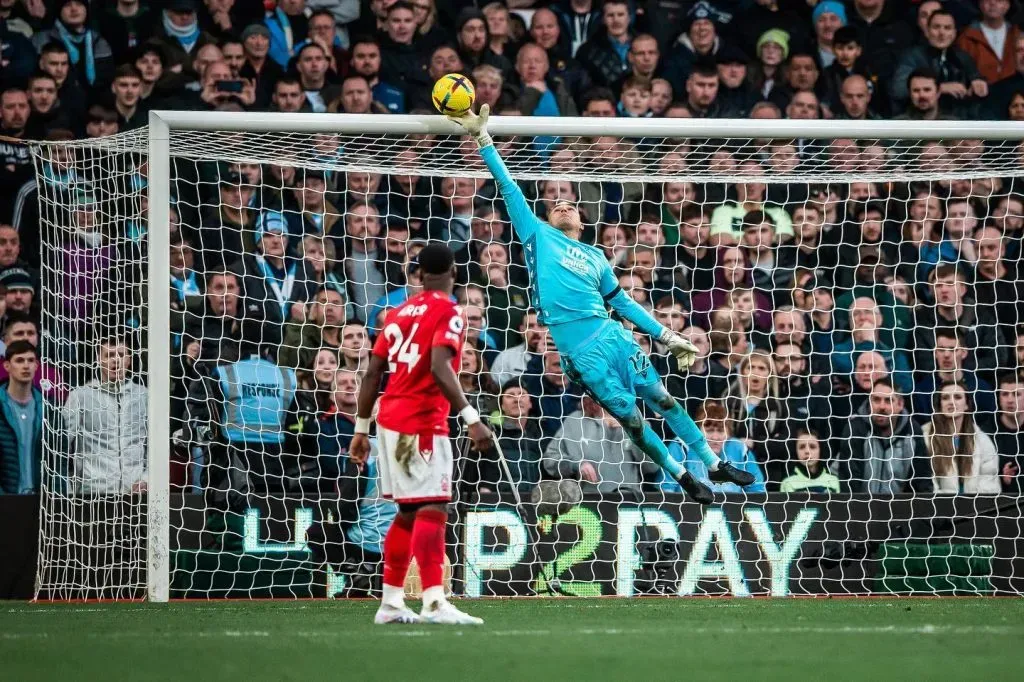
(570, 281)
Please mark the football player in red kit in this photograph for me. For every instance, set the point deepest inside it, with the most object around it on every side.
(420, 347)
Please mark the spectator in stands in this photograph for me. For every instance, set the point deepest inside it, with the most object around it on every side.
(48, 379)
(882, 34)
(1007, 429)
(91, 57)
(771, 266)
(1002, 93)
(311, 63)
(259, 69)
(474, 39)
(949, 355)
(923, 96)
(355, 346)
(107, 426)
(269, 275)
(320, 326)
(323, 30)
(704, 379)
(949, 307)
(732, 274)
(805, 394)
(699, 41)
(513, 361)
(714, 420)
(127, 88)
(362, 256)
(735, 93)
(288, 96)
(998, 287)
(541, 94)
(808, 470)
(54, 61)
(963, 457)
(754, 407)
(402, 64)
(552, 394)
(181, 36)
(604, 54)
(21, 422)
(519, 438)
(476, 381)
(884, 452)
(991, 41)
(727, 219)
(14, 117)
(247, 442)
(869, 332)
(46, 112)
(591, 446)
(366, 62)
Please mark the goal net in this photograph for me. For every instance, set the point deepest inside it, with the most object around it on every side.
(210, 295)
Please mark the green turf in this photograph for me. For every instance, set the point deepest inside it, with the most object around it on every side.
(534, 640)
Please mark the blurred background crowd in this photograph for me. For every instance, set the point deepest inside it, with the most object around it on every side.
(857, 337)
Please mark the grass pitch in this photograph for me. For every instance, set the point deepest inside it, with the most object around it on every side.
(526, 639)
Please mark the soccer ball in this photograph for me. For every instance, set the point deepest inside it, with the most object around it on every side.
(453, 94)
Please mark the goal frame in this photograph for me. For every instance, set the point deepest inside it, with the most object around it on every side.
(162, 122)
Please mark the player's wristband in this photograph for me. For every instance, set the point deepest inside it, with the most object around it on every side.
(469, 415)
(363, 424)
(665, 335)
(484, 140)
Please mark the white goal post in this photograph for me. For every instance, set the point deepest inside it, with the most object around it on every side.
(286, 136)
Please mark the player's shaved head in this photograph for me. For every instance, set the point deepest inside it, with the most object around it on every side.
(437, 265)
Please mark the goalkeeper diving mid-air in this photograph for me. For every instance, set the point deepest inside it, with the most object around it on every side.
(572, 286)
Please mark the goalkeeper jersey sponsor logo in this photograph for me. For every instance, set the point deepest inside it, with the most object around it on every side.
(575, 259)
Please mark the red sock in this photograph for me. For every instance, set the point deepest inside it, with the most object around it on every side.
(397, 544)
(428, 545)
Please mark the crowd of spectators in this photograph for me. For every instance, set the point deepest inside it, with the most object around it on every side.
(857, 337)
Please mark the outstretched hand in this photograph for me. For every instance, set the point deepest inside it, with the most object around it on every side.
(684, 351)
(474, 124)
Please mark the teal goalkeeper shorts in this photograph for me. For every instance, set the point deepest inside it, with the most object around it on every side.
(610, 366)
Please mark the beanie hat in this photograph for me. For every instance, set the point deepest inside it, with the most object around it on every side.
(777, 36)
(832, 7)
(468, 14)
(270, 221)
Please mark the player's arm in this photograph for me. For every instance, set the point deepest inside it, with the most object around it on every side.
(624, 305)
(441, 367)
(359, 449)
(522, 216)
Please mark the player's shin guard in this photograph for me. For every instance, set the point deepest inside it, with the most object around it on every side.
(397, 553)
(428, 548)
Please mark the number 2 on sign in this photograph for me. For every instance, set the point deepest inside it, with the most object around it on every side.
(401, 350)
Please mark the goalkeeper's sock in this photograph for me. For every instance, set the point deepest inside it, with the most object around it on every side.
(655, 448)
(428, 548)
(397, 552)
(684, 427)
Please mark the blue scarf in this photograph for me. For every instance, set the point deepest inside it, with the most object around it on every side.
(71, 42)
(188, 36)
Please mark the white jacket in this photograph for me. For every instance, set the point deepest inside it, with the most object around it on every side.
(107, 429)
(984, 478)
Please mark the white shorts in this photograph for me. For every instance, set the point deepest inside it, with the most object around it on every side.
(429, 475)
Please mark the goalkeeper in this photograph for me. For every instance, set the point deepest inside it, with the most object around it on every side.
(572, 286)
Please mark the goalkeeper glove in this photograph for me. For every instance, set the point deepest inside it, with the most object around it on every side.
(475, 125)
(685, 352)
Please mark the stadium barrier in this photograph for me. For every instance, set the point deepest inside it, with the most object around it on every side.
(769, 545)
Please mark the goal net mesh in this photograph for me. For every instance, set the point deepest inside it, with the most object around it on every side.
(805, 270)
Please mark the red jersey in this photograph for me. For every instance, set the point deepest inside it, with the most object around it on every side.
(412, 402)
